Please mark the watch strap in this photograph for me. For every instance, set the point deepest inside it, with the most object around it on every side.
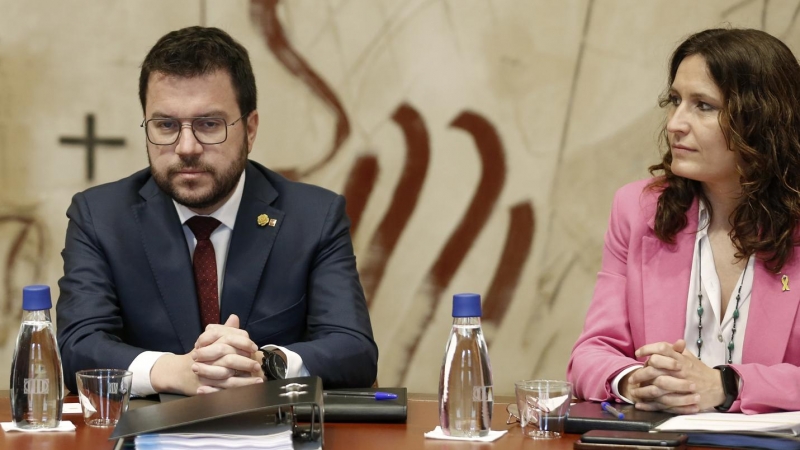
(730, 386)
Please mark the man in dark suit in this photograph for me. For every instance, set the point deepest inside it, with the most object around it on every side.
(156, 262)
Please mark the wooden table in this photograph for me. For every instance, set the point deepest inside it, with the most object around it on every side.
(422, 417)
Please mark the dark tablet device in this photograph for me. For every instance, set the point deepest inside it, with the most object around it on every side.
(642, 438)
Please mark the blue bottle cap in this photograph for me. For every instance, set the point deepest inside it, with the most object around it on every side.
(36, 298)
(466, 305)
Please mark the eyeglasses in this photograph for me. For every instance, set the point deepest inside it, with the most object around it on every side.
(513, 414)
(533, 403)
(207, 130)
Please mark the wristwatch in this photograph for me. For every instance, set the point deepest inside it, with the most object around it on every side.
(273, 365)
(730, 386)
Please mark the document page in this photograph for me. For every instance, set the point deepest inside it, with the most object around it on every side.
(782, 422)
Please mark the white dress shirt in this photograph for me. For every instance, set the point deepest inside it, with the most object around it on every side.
(221, 239)
(716, 333)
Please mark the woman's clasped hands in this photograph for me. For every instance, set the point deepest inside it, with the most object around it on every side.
(672, 380)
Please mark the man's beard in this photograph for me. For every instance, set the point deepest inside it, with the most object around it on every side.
(223, 183)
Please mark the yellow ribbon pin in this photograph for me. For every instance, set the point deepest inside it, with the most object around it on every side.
(785, 281)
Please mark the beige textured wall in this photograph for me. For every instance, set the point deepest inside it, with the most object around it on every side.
(568, 87)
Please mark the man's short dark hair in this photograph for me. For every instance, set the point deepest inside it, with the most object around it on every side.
(196, 51)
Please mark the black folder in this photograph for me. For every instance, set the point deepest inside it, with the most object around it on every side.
(270, 398)
(350, 409)
(587, 416)
(363, 409)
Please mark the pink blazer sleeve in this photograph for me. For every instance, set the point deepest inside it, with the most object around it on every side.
(606, 345)
(767, 388)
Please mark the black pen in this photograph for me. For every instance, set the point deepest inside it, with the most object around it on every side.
(375, 395)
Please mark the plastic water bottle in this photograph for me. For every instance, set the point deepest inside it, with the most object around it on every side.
(465, 382)
(36, 376)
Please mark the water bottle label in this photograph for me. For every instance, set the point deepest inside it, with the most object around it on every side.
(36, 386)
(481, 393)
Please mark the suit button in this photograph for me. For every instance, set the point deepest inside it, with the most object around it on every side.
(719, 337)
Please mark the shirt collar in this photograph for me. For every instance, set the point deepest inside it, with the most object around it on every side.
(225, 213)
(702, 219)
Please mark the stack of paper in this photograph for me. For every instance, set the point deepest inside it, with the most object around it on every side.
(769, 431)
(243, 436)
(783, 423)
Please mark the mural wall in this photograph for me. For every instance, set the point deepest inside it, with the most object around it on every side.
(478, 142)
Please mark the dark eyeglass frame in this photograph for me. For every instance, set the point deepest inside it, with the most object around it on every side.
(194, 132)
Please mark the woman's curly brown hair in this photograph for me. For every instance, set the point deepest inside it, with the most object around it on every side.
(760, 81)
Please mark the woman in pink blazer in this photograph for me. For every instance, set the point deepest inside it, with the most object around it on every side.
(696, 304)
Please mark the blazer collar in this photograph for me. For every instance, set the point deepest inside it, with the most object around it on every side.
(168, 257)
(250, 246)
(666, 269)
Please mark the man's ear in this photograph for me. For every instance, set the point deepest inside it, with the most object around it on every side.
(252, 129)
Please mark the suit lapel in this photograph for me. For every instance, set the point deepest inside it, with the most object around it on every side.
(250, 247)
(772, 313)
(168, 256)
(665, 279)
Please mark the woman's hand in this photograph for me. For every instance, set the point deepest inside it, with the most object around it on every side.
(673, 380)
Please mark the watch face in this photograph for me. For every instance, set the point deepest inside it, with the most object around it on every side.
(277, 366)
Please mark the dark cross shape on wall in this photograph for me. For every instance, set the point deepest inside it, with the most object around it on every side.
(90, 142)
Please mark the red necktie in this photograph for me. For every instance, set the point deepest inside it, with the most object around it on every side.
(205, 268)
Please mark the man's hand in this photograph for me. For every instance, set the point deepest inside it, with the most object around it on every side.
(225, 357)
(173, 373)
(673, 380)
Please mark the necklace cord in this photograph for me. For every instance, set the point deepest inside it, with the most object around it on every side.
(700, 305)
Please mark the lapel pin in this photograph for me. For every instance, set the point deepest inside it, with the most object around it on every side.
(263, 219)
(273, 222)
(785, 281)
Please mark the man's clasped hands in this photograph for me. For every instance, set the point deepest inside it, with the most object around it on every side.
(223, 357)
